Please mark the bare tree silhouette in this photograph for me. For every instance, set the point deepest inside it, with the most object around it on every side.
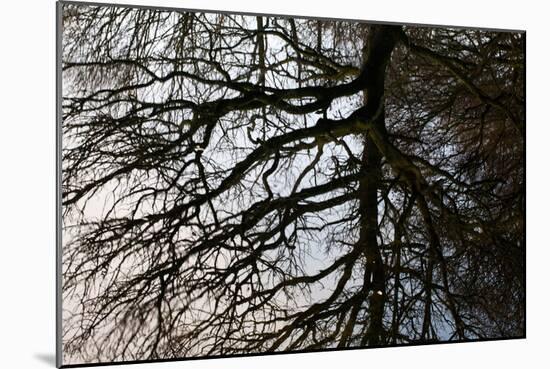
(236, 184)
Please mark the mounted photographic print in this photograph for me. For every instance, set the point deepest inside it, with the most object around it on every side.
(238, 184)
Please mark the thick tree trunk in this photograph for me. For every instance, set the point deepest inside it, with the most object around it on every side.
(380, 45)
(374, 268)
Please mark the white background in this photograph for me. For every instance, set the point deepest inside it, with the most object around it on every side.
(27, 183)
